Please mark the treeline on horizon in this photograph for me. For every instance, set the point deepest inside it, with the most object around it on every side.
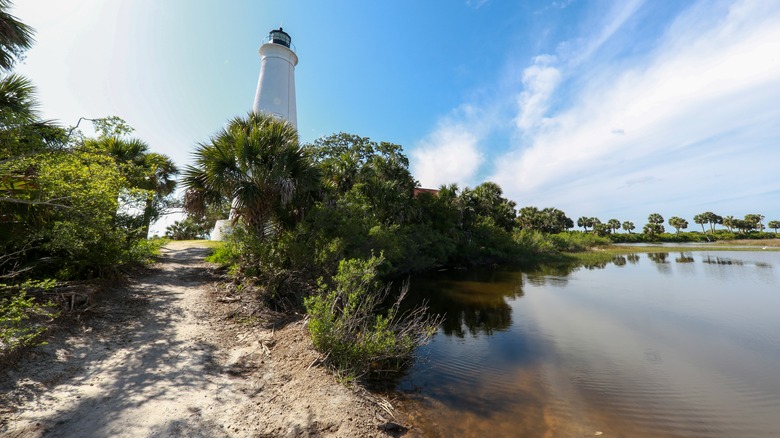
(554, 220)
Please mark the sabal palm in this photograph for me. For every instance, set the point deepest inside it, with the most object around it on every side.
(22, 135)
(143, 170)
(15, 37)
(17, 100)
(257, 163)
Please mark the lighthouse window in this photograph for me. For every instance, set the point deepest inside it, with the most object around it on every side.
(281, 38)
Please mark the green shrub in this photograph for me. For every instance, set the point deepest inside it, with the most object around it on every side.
(535, 241)
(357, 340)
(22, 316)
(144, 250)
(542, 243)
(224, 255)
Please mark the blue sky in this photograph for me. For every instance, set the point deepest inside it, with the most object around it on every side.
(613, 109)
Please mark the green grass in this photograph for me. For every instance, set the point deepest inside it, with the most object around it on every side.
(203, 243)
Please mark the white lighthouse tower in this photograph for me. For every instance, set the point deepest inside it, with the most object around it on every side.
(276, 85)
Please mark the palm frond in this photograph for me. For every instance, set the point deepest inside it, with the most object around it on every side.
(15, 37)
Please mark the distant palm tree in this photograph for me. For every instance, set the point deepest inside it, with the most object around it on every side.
(584, 222)
(15, 37)
(700, 219)
(257, 164)
(728, 222)
(613, 225)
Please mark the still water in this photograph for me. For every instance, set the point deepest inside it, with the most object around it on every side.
(668, 344)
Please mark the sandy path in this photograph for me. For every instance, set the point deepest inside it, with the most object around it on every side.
(153, 361)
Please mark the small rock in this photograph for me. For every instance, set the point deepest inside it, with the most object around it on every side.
(392, 427)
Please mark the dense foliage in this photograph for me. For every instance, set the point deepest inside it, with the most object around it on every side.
(68, 208)
(364, 202)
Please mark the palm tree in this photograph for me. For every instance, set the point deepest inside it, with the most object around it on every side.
(613, 225)
(728, 221)
(22, 135)
(756, 219)
(584, 222)
(159, 182)
(655, 218)
(257, 163)
(17, 95)
(700, 219)
(678, 223)
(148, 171)
(15, 37)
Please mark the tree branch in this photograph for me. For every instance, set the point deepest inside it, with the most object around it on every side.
(31, 202)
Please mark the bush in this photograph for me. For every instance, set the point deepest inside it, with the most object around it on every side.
(357, 340)
(535, 242)
(22, 316)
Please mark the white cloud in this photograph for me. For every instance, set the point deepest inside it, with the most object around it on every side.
(540, 81)
(703, 103)
(450, 154)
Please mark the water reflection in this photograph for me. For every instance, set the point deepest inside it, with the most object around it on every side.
(553, 275)
(473, 301)
(684, 258)
(610, 346)
(715, 260)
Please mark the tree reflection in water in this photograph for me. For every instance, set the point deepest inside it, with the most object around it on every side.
(684, 258)
(658, 257)
(472, 302)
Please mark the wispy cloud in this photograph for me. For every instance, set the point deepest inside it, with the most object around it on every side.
(614, 20)
(476, 4)
(563, 4)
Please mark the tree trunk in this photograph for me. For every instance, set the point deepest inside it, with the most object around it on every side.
(148, 209)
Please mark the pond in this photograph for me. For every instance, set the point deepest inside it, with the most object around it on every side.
(664, 344)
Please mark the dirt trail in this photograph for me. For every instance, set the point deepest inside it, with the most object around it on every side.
(157, 358)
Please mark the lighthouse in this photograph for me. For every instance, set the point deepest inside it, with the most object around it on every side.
(276, 86)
